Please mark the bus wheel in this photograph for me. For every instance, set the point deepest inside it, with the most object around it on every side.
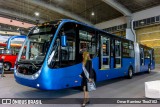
(7, 66)
(130, 72)
(149, 69)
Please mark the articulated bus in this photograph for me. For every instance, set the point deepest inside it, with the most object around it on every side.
(56, 59)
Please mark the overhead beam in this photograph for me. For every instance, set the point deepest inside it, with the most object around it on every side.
(15, 23)
(154, 11)
(118, 7)
(18, 15)
(130, 33)
(58, 10)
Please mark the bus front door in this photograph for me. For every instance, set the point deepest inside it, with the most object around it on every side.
(142, 59)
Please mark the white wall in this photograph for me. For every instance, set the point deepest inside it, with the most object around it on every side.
(155, 11)
(111, 23)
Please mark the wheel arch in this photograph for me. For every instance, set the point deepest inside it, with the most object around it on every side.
(131, 66)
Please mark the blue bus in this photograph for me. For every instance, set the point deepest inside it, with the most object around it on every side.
(51, 56)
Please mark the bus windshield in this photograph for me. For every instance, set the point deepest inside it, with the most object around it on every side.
(36, 46)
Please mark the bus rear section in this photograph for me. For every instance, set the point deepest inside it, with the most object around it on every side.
(144, 58)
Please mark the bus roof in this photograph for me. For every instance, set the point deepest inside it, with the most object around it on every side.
(69, 20)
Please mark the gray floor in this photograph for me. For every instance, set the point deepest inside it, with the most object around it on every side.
(116, 88)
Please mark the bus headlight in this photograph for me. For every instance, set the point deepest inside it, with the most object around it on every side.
(38, 85)
(36, 75)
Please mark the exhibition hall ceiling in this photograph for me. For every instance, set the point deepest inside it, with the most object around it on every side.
(93, 11)
(138, 5)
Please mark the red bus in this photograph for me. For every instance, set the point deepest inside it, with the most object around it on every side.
(9, 56)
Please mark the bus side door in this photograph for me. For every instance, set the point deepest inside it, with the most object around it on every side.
(104, 52)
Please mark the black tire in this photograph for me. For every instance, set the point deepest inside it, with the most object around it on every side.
(7, 66)
(130, 73)
(149, 70)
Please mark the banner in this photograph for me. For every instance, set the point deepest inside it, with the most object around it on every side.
(78, 101)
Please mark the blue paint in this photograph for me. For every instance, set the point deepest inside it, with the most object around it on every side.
(147, 63)
(63, 41)
(53, 79)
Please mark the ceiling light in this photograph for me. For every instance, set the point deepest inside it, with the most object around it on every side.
(92, 13)
(36, 13)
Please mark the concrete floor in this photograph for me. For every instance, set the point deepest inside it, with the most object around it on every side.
(115, 88)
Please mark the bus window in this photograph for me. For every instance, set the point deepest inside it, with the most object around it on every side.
(112, 47)
(147, 53)
(53, 60)
(87, 41)
(93, 45)
(63, 56)
(117, 54)
(67, 54)
(35, 51)
(131, 49)
(125, 49)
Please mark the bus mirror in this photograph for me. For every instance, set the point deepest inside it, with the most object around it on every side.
(63, 41)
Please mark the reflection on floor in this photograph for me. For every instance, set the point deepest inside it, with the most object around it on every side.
(115, 88)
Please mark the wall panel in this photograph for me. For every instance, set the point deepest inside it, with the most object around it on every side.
(150, 36)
